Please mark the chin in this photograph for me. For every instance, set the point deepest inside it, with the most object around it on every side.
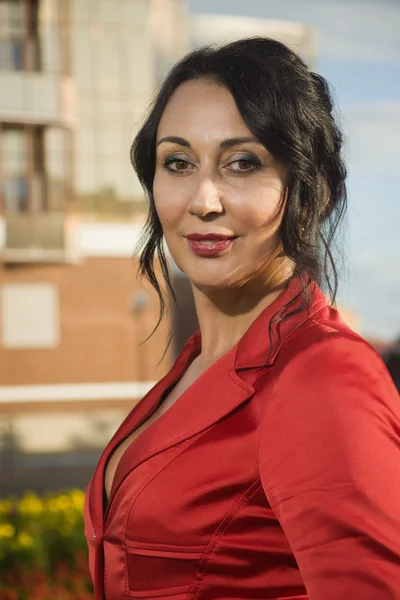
(212, 278)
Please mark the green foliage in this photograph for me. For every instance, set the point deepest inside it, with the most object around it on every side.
(43, 551)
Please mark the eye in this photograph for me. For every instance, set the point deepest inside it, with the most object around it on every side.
(244, 164)
(175, 164)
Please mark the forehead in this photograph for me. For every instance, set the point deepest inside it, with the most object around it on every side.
(202, 108)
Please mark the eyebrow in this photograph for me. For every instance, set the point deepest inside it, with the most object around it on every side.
(224, 144)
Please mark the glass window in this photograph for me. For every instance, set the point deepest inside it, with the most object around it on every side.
(11, 35)
(14, 151)
(19, 36)
(23, 168)
(15, 192)
(14, 169)
(11, 18)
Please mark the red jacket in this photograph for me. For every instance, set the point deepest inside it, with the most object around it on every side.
(276, 475)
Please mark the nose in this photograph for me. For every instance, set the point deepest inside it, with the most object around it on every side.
(206, 198)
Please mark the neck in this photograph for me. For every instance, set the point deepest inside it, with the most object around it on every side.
(224, 315)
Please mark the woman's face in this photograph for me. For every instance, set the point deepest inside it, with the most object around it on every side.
(218, 192)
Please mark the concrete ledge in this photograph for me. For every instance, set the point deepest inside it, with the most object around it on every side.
(126, 390)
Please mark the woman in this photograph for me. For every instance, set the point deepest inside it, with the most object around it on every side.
(266, 464)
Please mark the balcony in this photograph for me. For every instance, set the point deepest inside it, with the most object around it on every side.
(37, 98)
(48, 237)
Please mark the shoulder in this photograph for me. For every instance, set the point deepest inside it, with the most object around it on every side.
(326, 349)
(330, 404)
(325, 378)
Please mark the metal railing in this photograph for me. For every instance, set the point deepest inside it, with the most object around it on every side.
(35, 237)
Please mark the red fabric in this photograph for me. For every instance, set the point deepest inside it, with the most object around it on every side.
(275, 476)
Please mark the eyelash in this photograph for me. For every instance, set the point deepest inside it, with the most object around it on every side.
(251, 160)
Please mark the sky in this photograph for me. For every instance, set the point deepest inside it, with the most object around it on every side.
(359, 54)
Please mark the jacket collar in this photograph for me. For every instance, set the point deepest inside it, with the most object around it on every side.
(261, 343)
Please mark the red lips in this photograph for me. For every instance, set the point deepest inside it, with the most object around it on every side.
(209, 245)
(209, 236)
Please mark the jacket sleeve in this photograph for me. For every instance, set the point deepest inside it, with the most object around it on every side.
(329, 461)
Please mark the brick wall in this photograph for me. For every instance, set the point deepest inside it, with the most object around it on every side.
(99, 331)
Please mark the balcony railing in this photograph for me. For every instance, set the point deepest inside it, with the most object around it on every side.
(41, 98)
(38, 237)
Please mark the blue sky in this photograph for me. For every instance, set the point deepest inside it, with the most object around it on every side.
(359, 54)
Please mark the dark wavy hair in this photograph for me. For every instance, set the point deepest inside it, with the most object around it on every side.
(290, 111)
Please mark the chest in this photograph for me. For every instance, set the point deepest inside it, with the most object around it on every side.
(128, 441)
(170, 398)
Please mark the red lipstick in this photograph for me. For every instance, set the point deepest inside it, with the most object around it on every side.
(209, 245)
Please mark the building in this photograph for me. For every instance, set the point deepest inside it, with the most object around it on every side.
(75, 82)
(221, 29)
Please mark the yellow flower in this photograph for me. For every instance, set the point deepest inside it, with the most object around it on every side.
(7, 530)
(5, 507)
(30, 505)
(24, 540)
(78, 499)
(63, 503)
(52, 505)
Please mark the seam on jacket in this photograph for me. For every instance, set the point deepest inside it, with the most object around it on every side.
(208, 551)
(201, 548)
(162, 589)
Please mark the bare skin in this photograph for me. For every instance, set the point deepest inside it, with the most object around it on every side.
(190, 375)
(213, 176)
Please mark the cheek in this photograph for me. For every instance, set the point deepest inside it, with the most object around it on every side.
(262, 211)
(168, 202)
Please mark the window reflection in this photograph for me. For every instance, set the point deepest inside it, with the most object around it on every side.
(19, 35)
(11, 35)
(15, 190)
(34, 168)
(15, 165)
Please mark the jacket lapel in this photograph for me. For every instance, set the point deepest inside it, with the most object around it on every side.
(230, 378)
(260, 345)
(195, 411)
(141, 411)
